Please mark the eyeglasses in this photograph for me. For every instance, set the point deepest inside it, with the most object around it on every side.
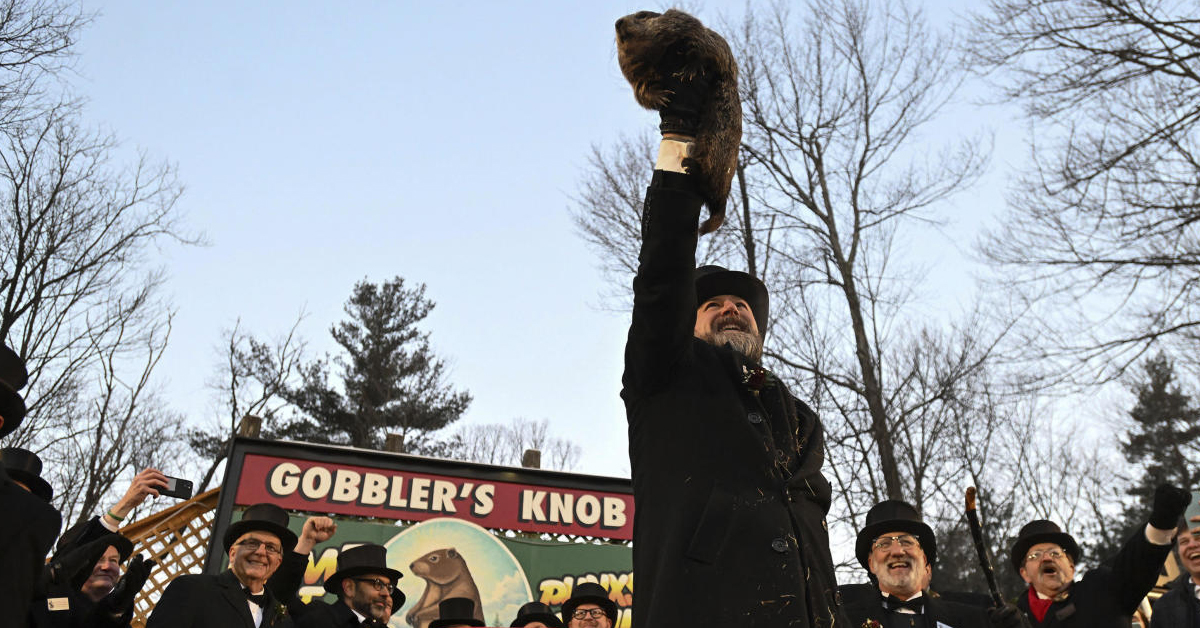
(379, 585)
(885, 542)
(584, 613)
(1054, 554)
(253, 544)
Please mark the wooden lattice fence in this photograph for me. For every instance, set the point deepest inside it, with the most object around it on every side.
(178, 539)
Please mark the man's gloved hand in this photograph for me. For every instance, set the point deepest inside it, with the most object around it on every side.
(1007, 616)
(1169, 504)
(68, 566)
(690, 90)
(120, 600)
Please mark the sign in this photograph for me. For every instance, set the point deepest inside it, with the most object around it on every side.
(392, 493)
(450, 528)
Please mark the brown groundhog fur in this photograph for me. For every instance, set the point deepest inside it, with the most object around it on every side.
(642, 40)
(446, 575)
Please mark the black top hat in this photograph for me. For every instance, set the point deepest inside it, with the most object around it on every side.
(1042, 531)
(71, 539)
(714, 281)
(13, 377)
(267, 518)
(890, 516)
(456, 611)
(536, 611)
(124, 549)
(592, 593)
(25, 467)
(364, 559)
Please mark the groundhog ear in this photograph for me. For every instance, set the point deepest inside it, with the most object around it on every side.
(452, 553)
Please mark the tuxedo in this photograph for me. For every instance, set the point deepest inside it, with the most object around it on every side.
(204, 601)
(318, 614)
(934, 612)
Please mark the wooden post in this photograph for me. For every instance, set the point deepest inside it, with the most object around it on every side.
(532, 459)
(394, 443)
(250, 425)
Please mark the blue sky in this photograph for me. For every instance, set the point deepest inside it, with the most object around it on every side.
(324, 143)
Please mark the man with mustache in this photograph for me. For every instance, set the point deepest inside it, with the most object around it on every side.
(1108, 593)
(726, 463)
(899, 550)
(1179, 607)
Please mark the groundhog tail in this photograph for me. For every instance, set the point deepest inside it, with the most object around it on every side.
(716, 218)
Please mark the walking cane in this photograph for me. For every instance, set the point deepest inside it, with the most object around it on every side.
(985, 563)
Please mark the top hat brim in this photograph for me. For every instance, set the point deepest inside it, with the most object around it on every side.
(924, 534)
(550, 620)
(441, 623)
(1020, 549)
(287, 538)
(36, 484)
(739, 284)
(12, 409)
(333, 584)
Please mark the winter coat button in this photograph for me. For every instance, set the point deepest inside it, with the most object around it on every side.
(754, 417)
(779, 545)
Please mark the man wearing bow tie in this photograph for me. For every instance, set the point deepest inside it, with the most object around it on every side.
(899, 551)
(237, 597)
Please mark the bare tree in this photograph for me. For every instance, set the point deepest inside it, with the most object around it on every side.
(78, 300)
(1102, 230)
(504, 444)
(252, 378)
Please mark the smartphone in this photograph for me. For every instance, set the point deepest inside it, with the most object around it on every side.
(1193, 510)
(177, 487)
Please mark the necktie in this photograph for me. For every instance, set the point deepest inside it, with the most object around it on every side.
(260, 599)
(916, 605)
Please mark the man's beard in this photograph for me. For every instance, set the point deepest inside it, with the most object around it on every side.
(744, 342)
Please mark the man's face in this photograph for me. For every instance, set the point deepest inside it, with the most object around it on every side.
(899, 564)
(104, 576)
(369, 594)
(1048, 568)
(1188, 544)
(255, 556)
(588, 620)
(727, 319)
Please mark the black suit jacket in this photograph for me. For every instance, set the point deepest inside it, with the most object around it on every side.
(26, 541)
(1109, 593)
(722, 536)
(869, 605)
(318, 614)
(204, 601)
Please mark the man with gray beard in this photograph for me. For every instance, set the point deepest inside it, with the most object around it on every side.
(730, 526)
(899, 551)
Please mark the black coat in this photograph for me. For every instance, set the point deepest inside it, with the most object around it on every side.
(204, 601)
(1108, 594)
(318, 614)
(721, 536)
(27, 539)
(1178, 607)
(860, 608)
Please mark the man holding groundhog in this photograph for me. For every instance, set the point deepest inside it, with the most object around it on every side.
(730, 527)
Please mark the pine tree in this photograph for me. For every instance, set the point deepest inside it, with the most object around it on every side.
(1160, 447)
(391, 380)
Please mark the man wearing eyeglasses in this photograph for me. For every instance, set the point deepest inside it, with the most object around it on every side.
(589, 607)
(726, 461)
(239, 596)
(1179, 607)
(899, 550)
(1108, 593)
(365, 587)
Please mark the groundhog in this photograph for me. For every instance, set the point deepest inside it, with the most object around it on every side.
(446, 575)
(642, 40)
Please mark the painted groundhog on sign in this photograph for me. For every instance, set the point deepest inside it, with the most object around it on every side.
(446, 575)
